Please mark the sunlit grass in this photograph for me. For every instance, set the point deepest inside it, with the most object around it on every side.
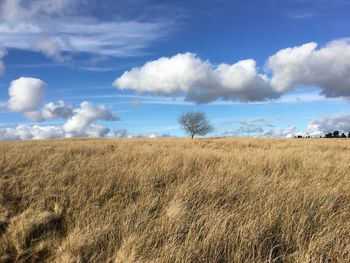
(175, 200)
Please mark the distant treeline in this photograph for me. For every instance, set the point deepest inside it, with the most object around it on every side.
(335, 134)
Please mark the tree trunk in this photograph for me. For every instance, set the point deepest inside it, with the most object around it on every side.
(192, 135)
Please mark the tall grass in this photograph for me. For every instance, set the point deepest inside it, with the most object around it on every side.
(175, 200)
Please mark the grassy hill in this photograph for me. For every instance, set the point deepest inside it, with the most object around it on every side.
(175, 200)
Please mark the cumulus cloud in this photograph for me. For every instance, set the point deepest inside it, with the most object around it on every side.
(36, 132)
(321, 126)
(86, 115)
(81, 123)
(91, 131)
(201, 81)
(57, 27)
(52, 111)
(327, 68)
(24, 132)
(26, 94)
(166, 75)
(45, 132)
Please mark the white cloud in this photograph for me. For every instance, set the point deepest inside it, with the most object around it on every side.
(80, 122)
(26, 94)
(321, 126)
(56, 27)
(91, 131)
(51, 111)
(46, 132)
(123, 133)
(148, 135)
(166, 75)
(157, 135)
(24, 132)
(36, 132)
(50, 46)
(266, 128)
(258, 122)
(315, 128)
(327, 68)
(12, 134)
(85, 116)
(261, 127)
(288, 132)
(241, 81)
(198, 79)
(15, 10)
(245, 131)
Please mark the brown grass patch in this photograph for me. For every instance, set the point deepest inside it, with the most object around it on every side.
(175, 200)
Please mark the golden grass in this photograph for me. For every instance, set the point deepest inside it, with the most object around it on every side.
(175, 200)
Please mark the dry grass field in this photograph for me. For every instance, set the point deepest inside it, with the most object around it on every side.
(175, 200)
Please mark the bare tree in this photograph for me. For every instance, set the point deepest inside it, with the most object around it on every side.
(195, 123)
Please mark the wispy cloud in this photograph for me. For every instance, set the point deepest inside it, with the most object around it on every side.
(97, 69)
(305, 15)
(55, 29)
(261, 127)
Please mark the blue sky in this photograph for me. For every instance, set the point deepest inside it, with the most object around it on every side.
(250, 83)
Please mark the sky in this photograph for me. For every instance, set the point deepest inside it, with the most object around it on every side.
(129, 68)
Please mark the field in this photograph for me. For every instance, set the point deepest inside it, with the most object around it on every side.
(175, 200)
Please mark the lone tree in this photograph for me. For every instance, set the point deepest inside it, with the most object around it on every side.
(195, 123)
